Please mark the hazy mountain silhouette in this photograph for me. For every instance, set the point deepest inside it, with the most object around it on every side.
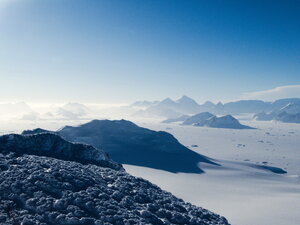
(171, 109)
(177, 119)
(289, 113)
(288, 118)
(186, 105)
(143, 103)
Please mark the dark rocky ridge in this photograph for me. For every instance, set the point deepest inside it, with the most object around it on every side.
(52, 145)
(40, 190)
(128, 143)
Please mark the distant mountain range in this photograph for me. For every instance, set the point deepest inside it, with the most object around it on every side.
(171, 109)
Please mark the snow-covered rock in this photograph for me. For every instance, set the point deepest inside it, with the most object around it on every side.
(52, 145)
(198, 118)
(227, 121)
(44, 190)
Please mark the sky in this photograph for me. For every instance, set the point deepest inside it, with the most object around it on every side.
(127, 50)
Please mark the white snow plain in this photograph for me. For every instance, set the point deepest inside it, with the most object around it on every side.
(244, 195)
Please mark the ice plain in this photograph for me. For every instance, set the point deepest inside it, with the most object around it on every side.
(244, 195)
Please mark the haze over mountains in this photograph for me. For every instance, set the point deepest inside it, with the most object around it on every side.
(166, 109)
(185, 105)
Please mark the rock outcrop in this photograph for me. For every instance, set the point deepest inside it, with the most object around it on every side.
(45, 180)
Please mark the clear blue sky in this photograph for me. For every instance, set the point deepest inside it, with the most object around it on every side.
(126, 50)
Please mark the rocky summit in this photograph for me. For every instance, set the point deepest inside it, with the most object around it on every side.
(47, 180)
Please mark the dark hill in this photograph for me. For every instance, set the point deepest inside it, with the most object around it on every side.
(128, 143)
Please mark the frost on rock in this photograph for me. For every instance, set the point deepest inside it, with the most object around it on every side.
(40, 189)
(52, 145)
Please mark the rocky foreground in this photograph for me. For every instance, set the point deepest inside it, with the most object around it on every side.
(53, 185)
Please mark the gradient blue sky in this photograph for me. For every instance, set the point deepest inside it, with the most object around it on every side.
(122, 51)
